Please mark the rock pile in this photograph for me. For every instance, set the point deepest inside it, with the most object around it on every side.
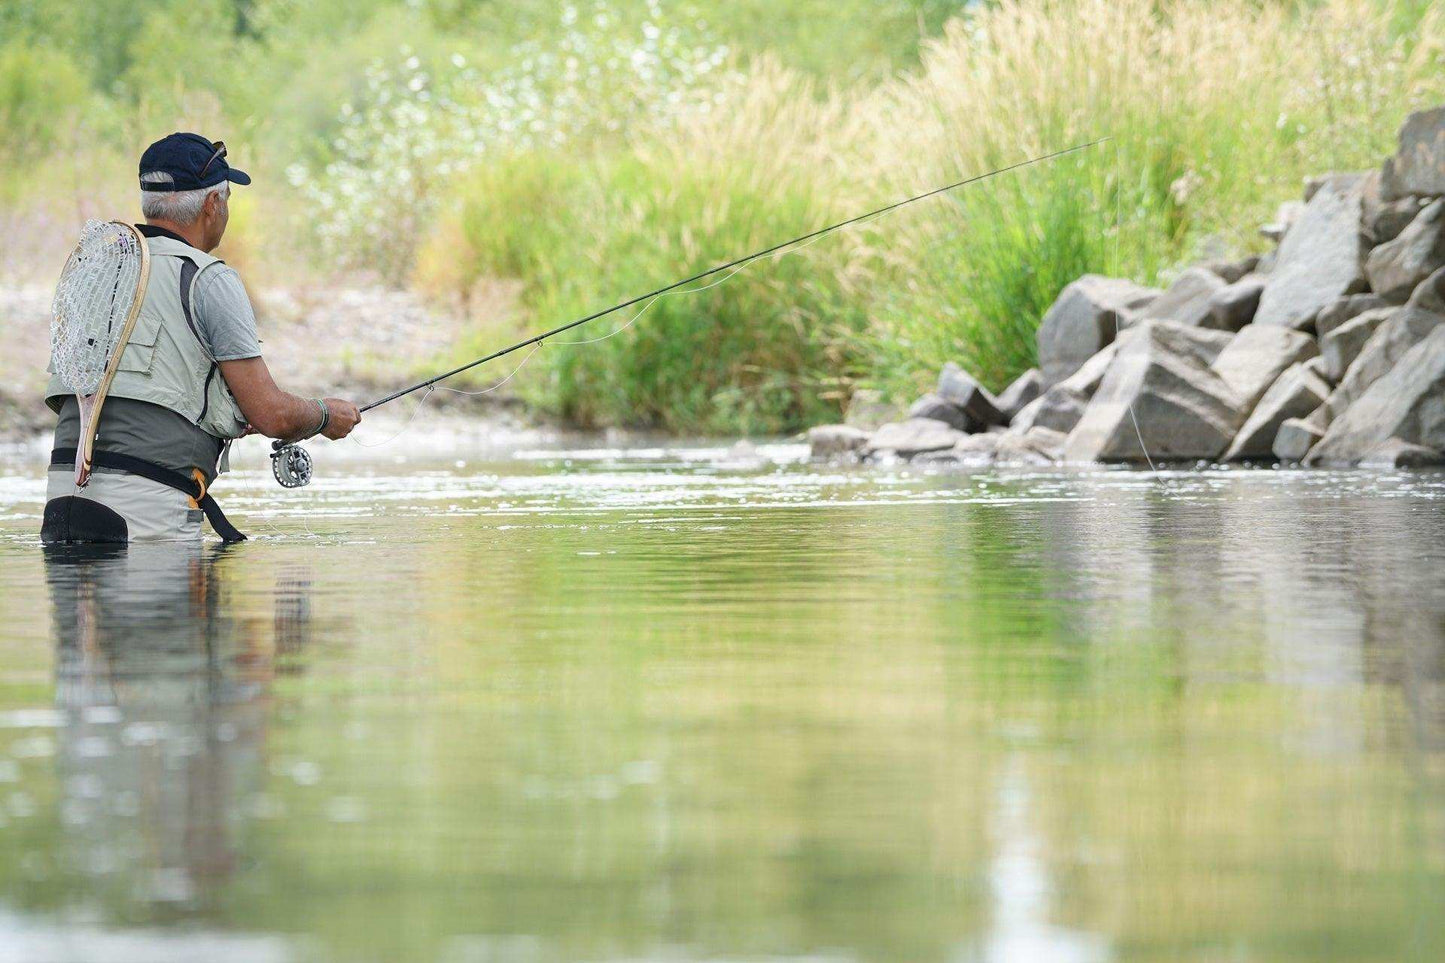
(1329, 350)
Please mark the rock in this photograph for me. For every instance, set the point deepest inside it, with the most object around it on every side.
(1188, 299)
(1333, 180)
(912, 437)
(1085, 381)
(1294, 394)
(1342, 345)
(1320, 260)
(1233, 306)
(1317, 366)
(868, 409)
(1232, 271)
(958, 387)
(830, 441)
(1339, 311)
(1255, 358)
(1394, 453)
(1157, 389)
(932, 406)
(1386, 220)
(977, 448)
(1285, 217)
(1037, 446)
(1061, 406)
(1404, 329)
(1295, 439)
(970, 451)
(1395, 268)
(1418, 166)
(1407, 403)
(1025, 388)
(1058, 408)
(1086, 316)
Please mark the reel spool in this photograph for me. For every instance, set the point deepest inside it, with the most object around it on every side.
(291, 464)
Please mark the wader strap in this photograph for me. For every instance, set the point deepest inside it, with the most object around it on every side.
(65, 458)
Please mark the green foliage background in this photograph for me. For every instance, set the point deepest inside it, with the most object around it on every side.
(584, 153)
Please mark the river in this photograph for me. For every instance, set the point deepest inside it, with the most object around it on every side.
(702, 703)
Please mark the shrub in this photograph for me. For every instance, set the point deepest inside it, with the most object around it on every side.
(760, 352)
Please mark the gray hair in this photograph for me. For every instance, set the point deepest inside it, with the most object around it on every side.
(180, 207)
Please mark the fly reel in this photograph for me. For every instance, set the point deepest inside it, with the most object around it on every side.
(291, 464)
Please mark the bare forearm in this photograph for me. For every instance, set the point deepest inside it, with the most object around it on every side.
(287, 416)
(270, 410)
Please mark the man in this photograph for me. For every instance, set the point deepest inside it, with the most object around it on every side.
(190, 380)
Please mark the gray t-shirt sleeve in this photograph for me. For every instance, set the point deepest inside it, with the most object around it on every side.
(224, 315)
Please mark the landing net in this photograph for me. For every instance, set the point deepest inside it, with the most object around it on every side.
(92, 301)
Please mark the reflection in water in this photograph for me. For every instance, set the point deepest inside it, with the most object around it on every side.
(671, 712)
(163, 700)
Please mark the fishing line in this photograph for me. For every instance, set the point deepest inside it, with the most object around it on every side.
(738, 262)
(404, 427)
(439, 387)
(1118, 233)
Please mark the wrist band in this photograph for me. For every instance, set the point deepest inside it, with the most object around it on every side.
(325, 416)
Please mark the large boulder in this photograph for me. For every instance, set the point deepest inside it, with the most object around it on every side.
(1397, 267)
(1024, 389)
(1341, 346)
(1232, 306)
(1391, 341)
(1086, 316)
(1297, 392)
(1188, 299)
(1418, 167)
(831, 441)
(1254, 359)
(1158, 399)
(959, 388)
(1319, 260)
(912, 437)
(932, 406)
(1407, 403)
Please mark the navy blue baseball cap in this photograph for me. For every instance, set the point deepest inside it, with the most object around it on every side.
(192, 161)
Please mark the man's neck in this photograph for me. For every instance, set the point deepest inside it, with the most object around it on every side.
(191, 233)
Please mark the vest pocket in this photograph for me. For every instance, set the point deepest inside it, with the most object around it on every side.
(140, 352)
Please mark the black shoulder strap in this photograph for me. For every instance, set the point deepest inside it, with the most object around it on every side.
(188, 277)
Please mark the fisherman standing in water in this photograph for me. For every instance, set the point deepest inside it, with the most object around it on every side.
(191, 378)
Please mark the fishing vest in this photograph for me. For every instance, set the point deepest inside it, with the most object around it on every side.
(165, 362)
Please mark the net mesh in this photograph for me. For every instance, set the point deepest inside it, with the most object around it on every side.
(92, 301)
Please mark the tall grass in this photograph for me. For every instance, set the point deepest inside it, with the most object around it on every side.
(1215, 111)
(760, 352)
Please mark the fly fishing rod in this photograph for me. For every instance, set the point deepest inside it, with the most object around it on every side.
(291, 464)
(739, 262)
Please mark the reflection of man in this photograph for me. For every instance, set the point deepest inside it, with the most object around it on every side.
(163, 695)
(190, 379)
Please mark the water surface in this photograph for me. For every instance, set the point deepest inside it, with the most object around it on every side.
(701, 704)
